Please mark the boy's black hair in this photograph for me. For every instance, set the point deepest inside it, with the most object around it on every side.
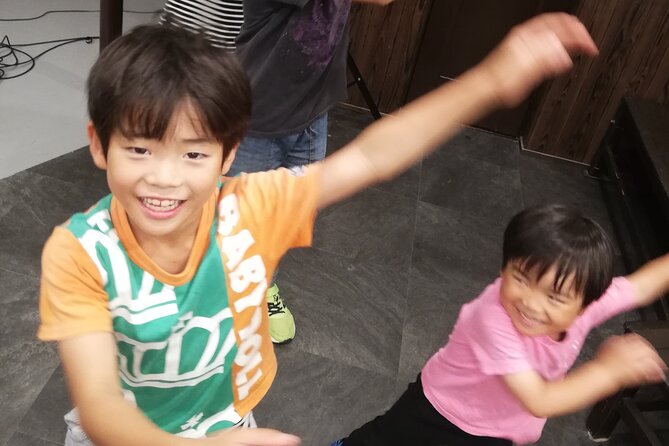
(544, 236)
(142, 77)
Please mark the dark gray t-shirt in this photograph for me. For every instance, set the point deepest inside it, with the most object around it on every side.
(294, 52)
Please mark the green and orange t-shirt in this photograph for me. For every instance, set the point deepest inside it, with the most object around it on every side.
(194, 351)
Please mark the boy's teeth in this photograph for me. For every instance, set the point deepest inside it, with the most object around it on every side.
(163, 205)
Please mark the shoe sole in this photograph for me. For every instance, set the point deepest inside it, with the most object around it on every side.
(287, 341)
(598, 439)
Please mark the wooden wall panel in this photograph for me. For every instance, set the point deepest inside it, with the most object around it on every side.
(384, 44)
(460, 33)
(574, 110)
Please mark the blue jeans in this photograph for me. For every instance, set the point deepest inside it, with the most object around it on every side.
(260, 154)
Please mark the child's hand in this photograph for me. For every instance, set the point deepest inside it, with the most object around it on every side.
(252, 437)
(533, 51)
(631, 360)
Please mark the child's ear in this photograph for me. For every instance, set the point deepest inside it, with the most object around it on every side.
(95, 147)
(227, 163)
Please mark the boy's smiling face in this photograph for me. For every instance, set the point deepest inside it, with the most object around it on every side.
(163, 184)
(535, 307)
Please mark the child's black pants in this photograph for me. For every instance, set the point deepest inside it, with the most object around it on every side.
(413, 421)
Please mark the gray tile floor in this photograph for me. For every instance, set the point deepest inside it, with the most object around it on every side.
(373, 300)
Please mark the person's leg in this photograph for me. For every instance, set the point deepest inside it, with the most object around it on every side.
(310, 144)
(297, 149)
(412, 420)
(75, 434)
(256, 155)
(249, 421)
(259, 154)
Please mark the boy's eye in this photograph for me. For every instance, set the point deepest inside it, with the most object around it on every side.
(138, 150)
(195, 155)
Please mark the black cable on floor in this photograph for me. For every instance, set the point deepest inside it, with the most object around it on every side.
(23, 19)
(11, 57)
(14, 55)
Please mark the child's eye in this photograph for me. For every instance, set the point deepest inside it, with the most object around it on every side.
(195, 155)
(556, 299)
(138, 150)
(520, 279)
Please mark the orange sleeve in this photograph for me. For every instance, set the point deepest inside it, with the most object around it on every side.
(72, 297)
(282, 204)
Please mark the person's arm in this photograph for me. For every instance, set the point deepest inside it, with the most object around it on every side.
(650, 281)
(74, 312)
(91, 369)
(622, 361)
(530, 53)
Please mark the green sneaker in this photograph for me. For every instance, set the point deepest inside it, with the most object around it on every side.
(281, 322)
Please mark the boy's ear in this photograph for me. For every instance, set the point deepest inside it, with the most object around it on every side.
(95, 147)
(227, 163)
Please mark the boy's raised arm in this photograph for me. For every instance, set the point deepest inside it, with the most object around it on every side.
(533, 51)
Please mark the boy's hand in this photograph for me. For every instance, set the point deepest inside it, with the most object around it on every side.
(631, 361)
(252, 437)
(533, 51)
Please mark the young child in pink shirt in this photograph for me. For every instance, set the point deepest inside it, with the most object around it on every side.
(505, 367)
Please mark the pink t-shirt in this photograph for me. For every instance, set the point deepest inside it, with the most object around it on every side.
(463, 379)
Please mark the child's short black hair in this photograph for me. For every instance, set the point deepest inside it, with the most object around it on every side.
(556, 235)
(142, 77)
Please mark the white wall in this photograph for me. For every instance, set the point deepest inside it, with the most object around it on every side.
(43, 113)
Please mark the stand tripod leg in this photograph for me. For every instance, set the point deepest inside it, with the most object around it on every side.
(360, 82)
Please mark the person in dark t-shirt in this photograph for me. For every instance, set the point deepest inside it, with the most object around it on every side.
(294, 52)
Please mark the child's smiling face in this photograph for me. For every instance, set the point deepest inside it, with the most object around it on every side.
(534, 305)
(163, 184)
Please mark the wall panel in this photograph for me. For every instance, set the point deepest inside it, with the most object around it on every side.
(574, 111)
(384, 44)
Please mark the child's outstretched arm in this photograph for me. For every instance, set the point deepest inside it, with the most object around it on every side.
(622, 361)
(650, 281)
(533, 51)
(91, 369)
